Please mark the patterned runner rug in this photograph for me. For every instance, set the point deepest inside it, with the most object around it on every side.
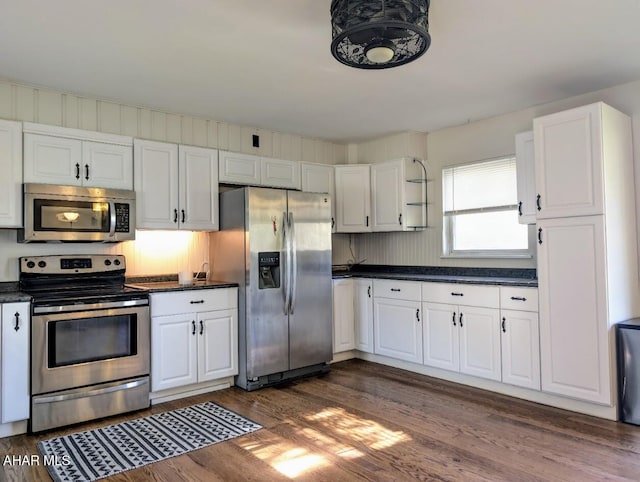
(95, 454)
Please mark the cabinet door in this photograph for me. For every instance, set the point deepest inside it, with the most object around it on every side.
(11, 179)
(14, 388)
(279, 173)
(156, 184)
(353, 199)
(387, 182)
(520, 348)
(480, 342)
(363, 314)
(217, 344)
(198, 179)
(397, 329)
(320, 178)
(174, 355)
(52, 160)
(343, 316)
(574, 338)
(568, 162)
(238, 168)
(107, 165)
(526, 177)
(440, 336)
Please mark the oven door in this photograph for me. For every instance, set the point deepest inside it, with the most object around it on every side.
(77, 349)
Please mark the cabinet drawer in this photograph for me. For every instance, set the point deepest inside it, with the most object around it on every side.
(190, 301)
(518, 298)
(398, 290)
(461, 294)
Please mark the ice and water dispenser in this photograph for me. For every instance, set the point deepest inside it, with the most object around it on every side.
(268, 270)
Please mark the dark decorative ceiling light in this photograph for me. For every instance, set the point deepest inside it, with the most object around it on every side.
(378, 34)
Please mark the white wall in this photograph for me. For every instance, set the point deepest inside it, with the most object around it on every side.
(483, 139)
(152, 252)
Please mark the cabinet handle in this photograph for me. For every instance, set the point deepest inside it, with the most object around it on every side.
(539, 235)
(456, 294)
(86, 171)
(454, 319)
(17, 327)
(201, 327)
(518, 298)
(367, 221)
(519, 208)
(400, 219)
(418, 315)
(538, 202)
(175, 215)
(333, 222)
(193, 327)
(460, 319)
(504, 329)
(182, 221)
(77, 171)
(397, 290)
(197, 302)
(369, 291)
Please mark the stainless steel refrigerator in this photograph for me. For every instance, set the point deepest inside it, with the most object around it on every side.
(276, 245)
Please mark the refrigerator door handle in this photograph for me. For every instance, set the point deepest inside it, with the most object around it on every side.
(287, 263)
(294, 263)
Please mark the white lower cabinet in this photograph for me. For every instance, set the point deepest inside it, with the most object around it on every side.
(343, 315)
(460, 337)
(194, 337)
(363, 314)
(397, 324)
(15, 360)
(520, 337)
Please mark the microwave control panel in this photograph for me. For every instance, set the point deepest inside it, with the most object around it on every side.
(122, 217)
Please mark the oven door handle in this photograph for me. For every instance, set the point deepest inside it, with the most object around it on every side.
(88, 392)
(112, 219)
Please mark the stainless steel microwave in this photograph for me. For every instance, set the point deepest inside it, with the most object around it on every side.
(73, 213)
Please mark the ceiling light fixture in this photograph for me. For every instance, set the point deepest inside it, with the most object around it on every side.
(378, 34)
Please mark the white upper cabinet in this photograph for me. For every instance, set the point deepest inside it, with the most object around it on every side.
(11, 178)
(246, 169)
(353, 198)
(198, 188)
(526, 175)
(176, 186)
(57, 155)
(569, 151)
(320, 178)
(398, 190)
(236, 168)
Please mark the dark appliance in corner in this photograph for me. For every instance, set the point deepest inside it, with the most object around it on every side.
(628, 355)
(90, 339)
(276, 245)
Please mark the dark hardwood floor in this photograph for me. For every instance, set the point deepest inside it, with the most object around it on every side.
(365, 421)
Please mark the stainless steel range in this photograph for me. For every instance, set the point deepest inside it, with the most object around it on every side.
(90, 339)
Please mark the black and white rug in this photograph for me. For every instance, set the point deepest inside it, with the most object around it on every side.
(95, 454)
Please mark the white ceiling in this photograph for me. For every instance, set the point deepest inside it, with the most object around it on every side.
(267, 63)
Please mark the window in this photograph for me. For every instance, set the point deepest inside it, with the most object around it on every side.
(480, 209)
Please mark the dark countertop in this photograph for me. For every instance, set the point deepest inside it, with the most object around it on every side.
(10, 293)
(484, 276)
(173, 285)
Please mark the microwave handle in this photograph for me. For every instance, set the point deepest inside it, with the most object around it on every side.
(112, 220)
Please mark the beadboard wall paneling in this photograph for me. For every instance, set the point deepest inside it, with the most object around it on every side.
(20, 102)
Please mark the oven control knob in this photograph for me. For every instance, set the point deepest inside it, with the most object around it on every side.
(31, 264)
(41, 264)
(107, 262)
(116, 262)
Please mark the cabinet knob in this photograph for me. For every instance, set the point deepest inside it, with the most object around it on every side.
(538, 202)
(519, 208)
(453, 293)
(460, 319)
(175, 215)
(17, 327)
(418, 315)
(77, 171)
(86, 171)
(504, 328)
(453, 318)
(183, 216)
(400, 219)
(201, 327)
(369, 291)
(539, 235)
(518, 298)
(193, 327)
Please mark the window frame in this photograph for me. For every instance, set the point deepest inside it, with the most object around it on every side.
(448, 224)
